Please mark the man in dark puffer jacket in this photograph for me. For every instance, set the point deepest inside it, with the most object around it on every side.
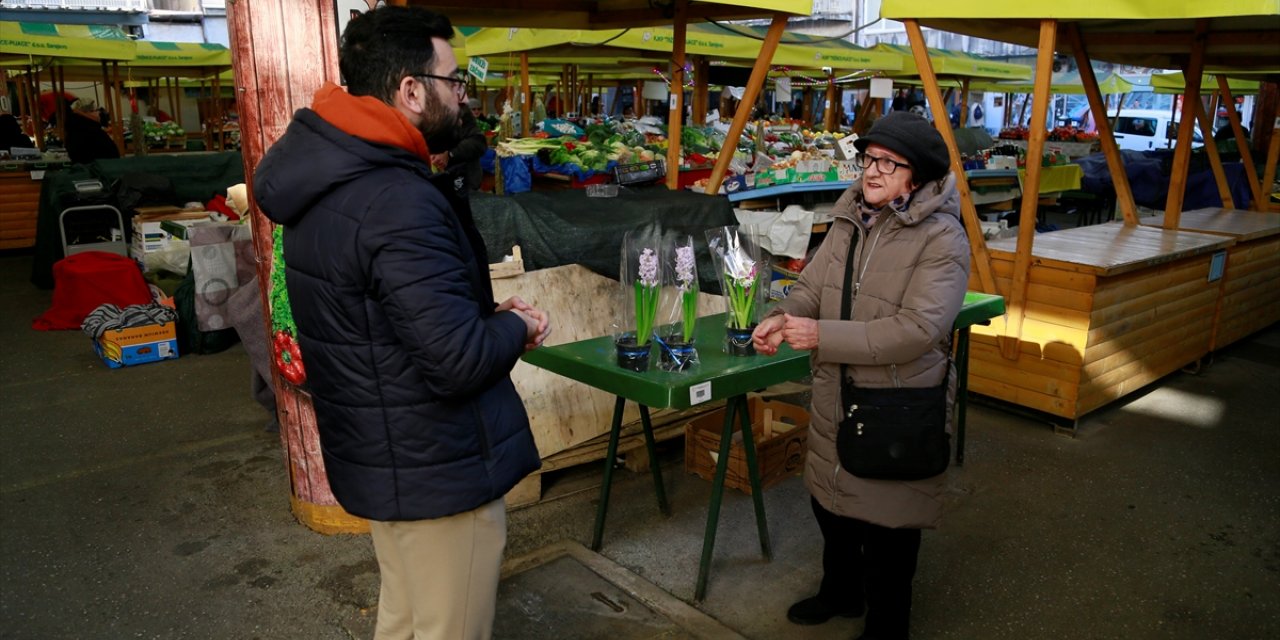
(409, 358)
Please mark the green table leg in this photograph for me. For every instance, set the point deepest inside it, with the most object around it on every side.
(962, 390)
(654, 467)
(738, 405)
(753, 472)
(603, 508)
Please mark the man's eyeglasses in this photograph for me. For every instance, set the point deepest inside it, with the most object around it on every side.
(458, 82)
(886, 165)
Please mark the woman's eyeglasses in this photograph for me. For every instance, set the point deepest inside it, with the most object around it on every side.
(886, 165)
(458, 82)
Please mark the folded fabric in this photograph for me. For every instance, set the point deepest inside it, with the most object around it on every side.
(108, 317)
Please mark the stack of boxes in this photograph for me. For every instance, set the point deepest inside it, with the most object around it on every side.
(155, 227)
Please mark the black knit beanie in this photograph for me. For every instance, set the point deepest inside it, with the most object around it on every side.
(915, 139)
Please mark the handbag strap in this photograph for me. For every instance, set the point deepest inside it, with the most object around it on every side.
(846, 313)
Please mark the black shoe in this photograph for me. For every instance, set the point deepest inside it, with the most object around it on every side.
(815, 610)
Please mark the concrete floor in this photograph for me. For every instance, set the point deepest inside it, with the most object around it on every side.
(149, 503)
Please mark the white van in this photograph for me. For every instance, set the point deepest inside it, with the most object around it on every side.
(1147, 129)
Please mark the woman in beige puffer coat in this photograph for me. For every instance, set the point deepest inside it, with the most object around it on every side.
(910, 276)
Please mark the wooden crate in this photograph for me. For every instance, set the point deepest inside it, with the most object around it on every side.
(1108, 310)
(19, 207)
(779, 430)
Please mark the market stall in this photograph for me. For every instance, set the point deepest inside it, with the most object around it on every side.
(281, 58)
(1090, 314)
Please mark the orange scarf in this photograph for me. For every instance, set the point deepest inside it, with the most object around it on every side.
(369, 118)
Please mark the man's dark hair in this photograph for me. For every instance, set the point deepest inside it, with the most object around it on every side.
(381, 47)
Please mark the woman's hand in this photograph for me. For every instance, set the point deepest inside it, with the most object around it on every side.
(800, 333)
(768, 335)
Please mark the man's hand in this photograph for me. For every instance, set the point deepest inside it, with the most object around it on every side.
(439, 161)
(514, 302)
(800, 333)
(537, 321)
(768, 335)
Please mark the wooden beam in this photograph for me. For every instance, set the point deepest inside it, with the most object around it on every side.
(759, 72)
(829, 113)
(1242, 143)
(1016, 300)
(1269, 173)
(525, 129)
(862, 121)
(1215, 161)
(701, 68)
(1115, 161)
(119, 109)
(980, 259)
(964, 102)
(675, 115)
(1182, 155)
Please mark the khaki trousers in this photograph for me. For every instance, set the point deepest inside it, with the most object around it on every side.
(440, 576)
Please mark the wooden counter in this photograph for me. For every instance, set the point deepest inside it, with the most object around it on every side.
(1250, 287)
(19, 208)
(1109, 309)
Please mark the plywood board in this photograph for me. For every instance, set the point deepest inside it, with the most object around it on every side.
(562, 412)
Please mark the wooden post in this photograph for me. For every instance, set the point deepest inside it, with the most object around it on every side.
(119, 107)
(806, 106)
(759, 71)
(964, 102)
(829, 121)
(58, 78)
(701, 67)
(1242, 143)
(1016, 300)
(525, 131)
(1215, 161)
(1182, 155)
(980, 259)
(676, 113)
(31, 103)
(862, 121)
(1115, 162)
(1269, 173)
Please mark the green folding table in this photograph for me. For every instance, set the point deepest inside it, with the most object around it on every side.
(717, 375)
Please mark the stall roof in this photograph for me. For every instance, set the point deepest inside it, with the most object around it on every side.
(1063, 82)
(1152, 33)
(959, 64)
(35, 41)
(603, 14)
(627, 46)
(1175, 83)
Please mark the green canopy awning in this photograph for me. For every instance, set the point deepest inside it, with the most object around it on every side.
(603, 14)
(1175, 83)
(959, 64)
(1063, 82)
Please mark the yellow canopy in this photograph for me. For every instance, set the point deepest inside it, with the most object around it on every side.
(1063, 82)
(1152, 33)
(958, 63)
(1175, 83)
(35, 41)
(603, 14)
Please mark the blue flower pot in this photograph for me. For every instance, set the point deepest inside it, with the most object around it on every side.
(632, 356)
(739, 341)
(677, 356)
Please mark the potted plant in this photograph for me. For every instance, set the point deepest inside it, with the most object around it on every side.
(677, 346)
(739, 265)
(641, 279)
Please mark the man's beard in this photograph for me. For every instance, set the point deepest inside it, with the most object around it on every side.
(440, 128)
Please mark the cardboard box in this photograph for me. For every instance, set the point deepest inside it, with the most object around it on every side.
(845, 149)
(780, 282)
(780, 446)
(138, 345)
(149, 233)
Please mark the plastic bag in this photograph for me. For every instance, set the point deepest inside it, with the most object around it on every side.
(677, 351)
(740, 264)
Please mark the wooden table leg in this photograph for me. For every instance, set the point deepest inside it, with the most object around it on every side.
(603, 508)
(654, 467)
(962, 390)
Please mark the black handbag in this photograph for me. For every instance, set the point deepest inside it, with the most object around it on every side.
(893, 433)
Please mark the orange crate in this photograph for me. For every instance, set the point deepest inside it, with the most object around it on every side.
(778, 456)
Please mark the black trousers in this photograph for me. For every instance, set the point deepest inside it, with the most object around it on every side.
(864, 562)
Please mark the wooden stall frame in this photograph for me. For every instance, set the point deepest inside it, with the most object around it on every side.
(676, 99)
(977, 245)
(1182, 152)
(1110, 150)
(1211, 149)
(759, 72)
(1246, 158)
